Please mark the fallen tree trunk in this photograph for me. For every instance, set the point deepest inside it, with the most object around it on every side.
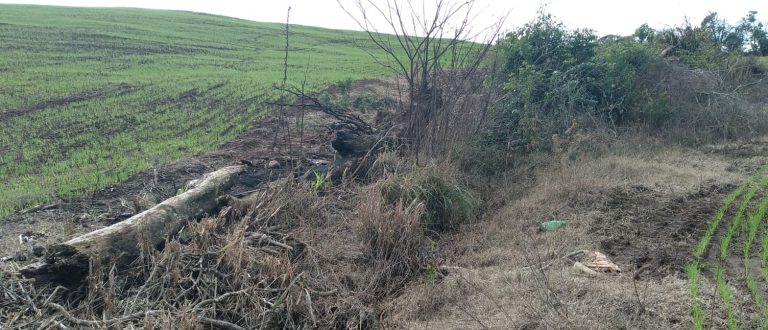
(69, 262)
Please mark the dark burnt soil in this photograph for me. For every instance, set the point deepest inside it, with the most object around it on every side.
(141, 191)
(653, 233)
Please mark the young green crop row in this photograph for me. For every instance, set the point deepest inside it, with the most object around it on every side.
(740, 229)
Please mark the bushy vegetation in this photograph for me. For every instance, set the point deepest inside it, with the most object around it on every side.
(553, 77)
(89, 97)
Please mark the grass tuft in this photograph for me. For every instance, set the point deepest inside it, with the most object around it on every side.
(448, 202)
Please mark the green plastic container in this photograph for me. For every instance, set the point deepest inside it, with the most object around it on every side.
(551, 225)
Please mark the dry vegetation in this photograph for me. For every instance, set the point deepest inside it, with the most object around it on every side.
(292, 256)
(645, 207)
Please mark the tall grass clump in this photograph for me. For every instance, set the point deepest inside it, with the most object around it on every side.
(393, 238)
(448, 202)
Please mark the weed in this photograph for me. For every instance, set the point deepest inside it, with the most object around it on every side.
(184, 188)
(320, 182)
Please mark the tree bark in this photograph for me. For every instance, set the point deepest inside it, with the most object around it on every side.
(69, 262)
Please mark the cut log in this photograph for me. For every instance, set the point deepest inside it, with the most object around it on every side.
(68, 263)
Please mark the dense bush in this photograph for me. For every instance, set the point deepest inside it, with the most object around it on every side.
(554, 76)
(713, 41)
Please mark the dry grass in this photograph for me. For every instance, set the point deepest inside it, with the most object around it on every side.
(393, 239)
(231, 271)
(245, 268)
(642, 205)
(284, 257)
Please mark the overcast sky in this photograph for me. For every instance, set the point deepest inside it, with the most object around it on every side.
(603, 16)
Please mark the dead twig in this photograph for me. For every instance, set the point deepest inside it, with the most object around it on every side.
(139, 315)
(219, 298)
(345, 118)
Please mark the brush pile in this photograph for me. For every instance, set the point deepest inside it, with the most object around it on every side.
(237, 270)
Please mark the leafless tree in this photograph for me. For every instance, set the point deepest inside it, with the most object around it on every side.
(423, 42)
(282, 124)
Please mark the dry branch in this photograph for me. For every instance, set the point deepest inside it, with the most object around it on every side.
(344, 118)
(120, 243)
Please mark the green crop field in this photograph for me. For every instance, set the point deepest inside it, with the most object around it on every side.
(748, 205)
(89, 97)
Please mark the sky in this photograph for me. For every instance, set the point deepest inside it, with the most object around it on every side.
(603, 16)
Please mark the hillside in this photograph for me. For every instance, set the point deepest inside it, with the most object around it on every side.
(89, 97)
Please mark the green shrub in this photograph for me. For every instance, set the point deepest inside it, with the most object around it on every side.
(447, 202)
(614, 81)
(555, 76)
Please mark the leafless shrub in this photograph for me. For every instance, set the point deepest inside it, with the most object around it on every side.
(706, 106)
(423, 43)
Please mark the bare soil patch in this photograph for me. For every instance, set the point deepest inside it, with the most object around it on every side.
(655, 232)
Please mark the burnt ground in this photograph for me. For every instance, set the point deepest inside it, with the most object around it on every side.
(67, 218)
